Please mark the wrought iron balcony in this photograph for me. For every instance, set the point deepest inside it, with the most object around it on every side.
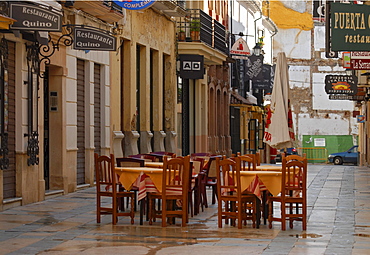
(200, 27)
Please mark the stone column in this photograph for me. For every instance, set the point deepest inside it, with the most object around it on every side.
(131, 138)
(159, 140)
(117, 144)
(145, 141)
(170, 141)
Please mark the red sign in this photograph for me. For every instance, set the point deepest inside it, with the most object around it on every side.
(360, 64)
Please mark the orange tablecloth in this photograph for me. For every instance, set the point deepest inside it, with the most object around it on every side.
(258, 181)
(269, 168)
(147, 179)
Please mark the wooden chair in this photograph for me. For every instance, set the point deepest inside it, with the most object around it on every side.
(231, 202)
(196, 185)
(293, 197)
(210, 180)
(248, 162)
(175, 181)
(107, 186)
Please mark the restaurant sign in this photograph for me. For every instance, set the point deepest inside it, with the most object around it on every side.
(240, 49)
(350, 24)
(341, 84)
(87, 38)
(134, 5)
(35, 17)
(360, 60)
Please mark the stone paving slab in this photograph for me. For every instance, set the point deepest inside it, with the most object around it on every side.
(338, 223)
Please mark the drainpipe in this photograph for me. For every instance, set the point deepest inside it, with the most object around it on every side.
(255, 21)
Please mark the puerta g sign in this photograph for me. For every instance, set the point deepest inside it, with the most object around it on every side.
(87, 38)
(34, 17)
(350, 24)
(341, 84)
(134, 4)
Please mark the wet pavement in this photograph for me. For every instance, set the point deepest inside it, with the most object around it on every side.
(338, 223)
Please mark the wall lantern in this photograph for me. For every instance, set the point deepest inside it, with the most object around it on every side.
(257, 49)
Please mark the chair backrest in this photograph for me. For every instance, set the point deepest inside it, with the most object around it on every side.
(105, 175)
(247, 162)
(135, 162)
(210, 167)
(198, 164)
(228, 176)
(176, 173)
(294, 176)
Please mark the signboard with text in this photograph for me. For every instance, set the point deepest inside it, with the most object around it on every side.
(134, 5)
(341, 84)
(191, 66)
(360, 60)
(87, 38)
(33, 17)
(350, 24)
(253, 68)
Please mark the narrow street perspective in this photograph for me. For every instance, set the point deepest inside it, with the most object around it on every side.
(158, 127)
(338, 223)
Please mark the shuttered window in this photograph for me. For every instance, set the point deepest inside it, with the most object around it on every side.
(9, 175)
(97, 109)
(80, 121)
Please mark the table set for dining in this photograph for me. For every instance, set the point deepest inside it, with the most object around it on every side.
(175, 180)
(149, 179)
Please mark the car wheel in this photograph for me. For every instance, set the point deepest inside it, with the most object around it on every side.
(338, 161)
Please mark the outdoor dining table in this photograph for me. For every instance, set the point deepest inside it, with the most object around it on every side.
(261, 183)
(269, 168)
(147, 179)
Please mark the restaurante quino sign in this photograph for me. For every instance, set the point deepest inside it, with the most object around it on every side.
(86, 38)
(35, 18)
(350, 25)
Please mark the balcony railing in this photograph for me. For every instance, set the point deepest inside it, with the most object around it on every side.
(200, 27)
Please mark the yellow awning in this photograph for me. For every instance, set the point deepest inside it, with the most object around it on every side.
(5, 22)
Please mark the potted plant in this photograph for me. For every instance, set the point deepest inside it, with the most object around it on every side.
(195, 29)
(181, 35)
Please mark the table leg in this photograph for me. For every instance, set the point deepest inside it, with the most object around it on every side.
(265, 207)
(142, 205)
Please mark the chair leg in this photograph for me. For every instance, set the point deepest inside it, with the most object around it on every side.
(270, 210)
(98, 209)
(219, 215)
(164, 213)
(114, 211)
(214, 195)
(132, 212)
(151, 211)
(283, 216)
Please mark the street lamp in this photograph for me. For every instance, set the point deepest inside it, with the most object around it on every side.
(257, 49)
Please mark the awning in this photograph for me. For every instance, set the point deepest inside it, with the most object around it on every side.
(5, 21)
(238, 99)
